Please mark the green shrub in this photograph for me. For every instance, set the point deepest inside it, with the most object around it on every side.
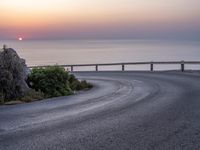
(52, 81)
(72, 78)
(85, 85)
(32, 95)
(77, 85)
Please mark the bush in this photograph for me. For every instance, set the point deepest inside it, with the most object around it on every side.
(52, 81)
(72, 78)
(77, 85)
(32, 95)
(85, 85)
(46, 82)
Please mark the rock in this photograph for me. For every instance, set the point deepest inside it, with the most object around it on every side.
(13, 75)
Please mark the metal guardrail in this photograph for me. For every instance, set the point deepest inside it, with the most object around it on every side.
(181, 63)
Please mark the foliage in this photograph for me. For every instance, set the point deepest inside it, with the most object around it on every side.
(52, 81)
(45, 82)
(77, 85)
(32, 95)
(16, 80)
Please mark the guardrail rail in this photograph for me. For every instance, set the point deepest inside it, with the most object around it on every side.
(152, 64)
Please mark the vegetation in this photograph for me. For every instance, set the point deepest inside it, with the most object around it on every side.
(46, 82)
(32, 95)
(18, 83)
(54, 81)
(77, 85)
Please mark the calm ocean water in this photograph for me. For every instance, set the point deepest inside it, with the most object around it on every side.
(50, 52)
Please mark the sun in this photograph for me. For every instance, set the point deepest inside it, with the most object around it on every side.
(20, 39)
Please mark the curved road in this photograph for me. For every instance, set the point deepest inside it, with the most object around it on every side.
(124, 110)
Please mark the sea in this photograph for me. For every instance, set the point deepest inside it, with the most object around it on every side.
(64, 52)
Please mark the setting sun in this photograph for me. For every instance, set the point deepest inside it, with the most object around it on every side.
(58, 19)
(20, 38)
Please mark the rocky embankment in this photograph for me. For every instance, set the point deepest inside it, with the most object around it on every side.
(13, 75)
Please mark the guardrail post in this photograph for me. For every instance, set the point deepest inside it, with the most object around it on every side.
(72, 68)
(182, 66)
(123, 67)
(151, 66)
(96, 67)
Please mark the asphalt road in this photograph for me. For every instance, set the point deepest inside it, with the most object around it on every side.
(124, 110)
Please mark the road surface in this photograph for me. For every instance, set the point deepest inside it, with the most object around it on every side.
(124, 111)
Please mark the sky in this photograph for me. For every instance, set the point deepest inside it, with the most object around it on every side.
(69, 19)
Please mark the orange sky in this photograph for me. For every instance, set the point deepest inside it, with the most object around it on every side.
(74, 18)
